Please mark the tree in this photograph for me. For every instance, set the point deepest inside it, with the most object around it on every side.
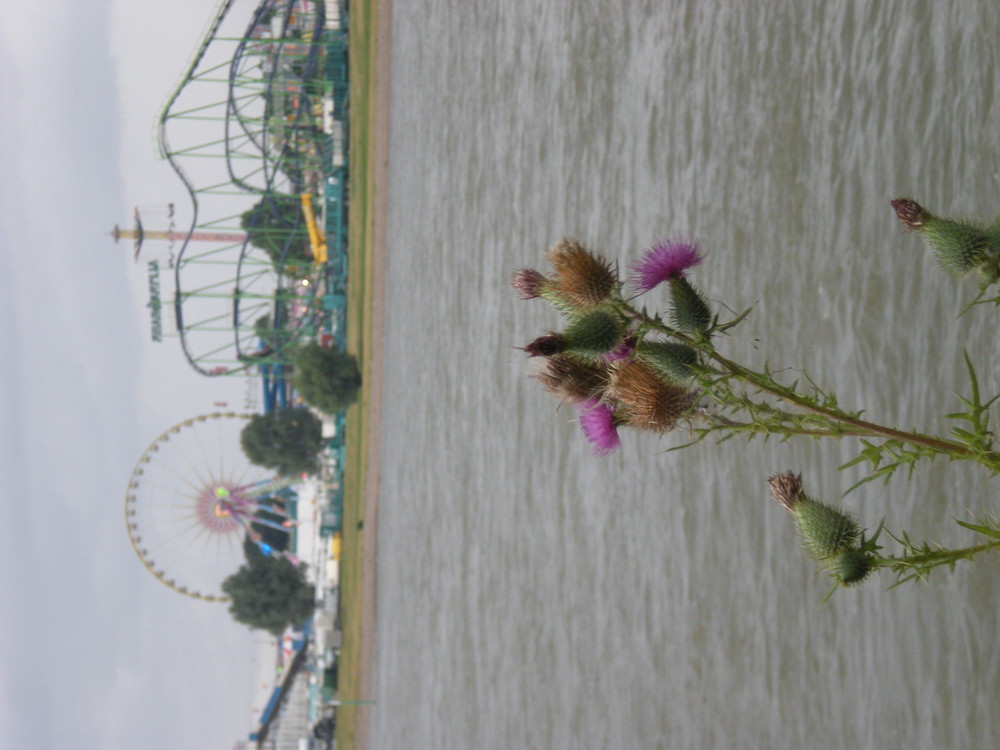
(288, 441)
(327, 379)
(269, 593)
(275, 225)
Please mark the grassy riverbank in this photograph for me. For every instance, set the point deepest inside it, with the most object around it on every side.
(362, 59)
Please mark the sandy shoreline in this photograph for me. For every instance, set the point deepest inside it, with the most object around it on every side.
(380, 173)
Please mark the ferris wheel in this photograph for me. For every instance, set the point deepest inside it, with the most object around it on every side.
(192, 499)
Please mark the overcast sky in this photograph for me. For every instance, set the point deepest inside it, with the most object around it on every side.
(95, 652)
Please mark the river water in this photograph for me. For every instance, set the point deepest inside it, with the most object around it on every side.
(534, 596)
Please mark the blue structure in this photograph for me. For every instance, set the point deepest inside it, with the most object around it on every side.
(280, 693)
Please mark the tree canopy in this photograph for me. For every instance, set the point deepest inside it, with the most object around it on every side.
(288, 441)
(327, 379)
(269, 593)
(275, 225)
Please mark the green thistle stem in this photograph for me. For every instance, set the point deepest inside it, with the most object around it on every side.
(772, 429)
(855, 425)
(847, 423)
(920, 564)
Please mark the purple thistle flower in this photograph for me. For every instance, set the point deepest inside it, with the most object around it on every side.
(664, 260)
(597, 420)
(624, 350)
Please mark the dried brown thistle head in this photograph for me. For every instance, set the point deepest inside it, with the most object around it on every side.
(787, 489)
(647, 402)
(584, 278)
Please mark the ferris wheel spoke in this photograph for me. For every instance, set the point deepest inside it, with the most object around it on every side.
(191, 500)
(173, 494)
(226, 463)
(189, 491)
(199, 468)
(178, 528)
(177, 478)
(183, 470)
(165, 465)
(229, 541)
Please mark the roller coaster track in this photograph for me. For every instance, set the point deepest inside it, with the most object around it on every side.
(162, 141)
(235, 105)
(259, 145)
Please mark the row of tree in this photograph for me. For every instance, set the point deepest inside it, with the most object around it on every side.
(267, 592)
(289, 441)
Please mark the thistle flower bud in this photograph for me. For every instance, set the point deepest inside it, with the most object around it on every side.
(593, 333)
(689, 310)
(528, 283)
(588, 335)
(959, 246)
(668, 359)
(568, 378)
(553, 294)
(911, 213)
(825, 531)
(852, 566)
(647, 402)
(581, 276)
(786, 489)
(546, 346)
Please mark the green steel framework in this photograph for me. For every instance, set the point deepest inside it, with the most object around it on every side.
(261, 114)
(258, 119)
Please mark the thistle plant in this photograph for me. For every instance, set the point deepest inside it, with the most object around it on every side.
(653, 372)
(961, 247)
(849, 555)
(622, 366)
(826, 532)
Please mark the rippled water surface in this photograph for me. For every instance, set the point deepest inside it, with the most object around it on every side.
(533, 596)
